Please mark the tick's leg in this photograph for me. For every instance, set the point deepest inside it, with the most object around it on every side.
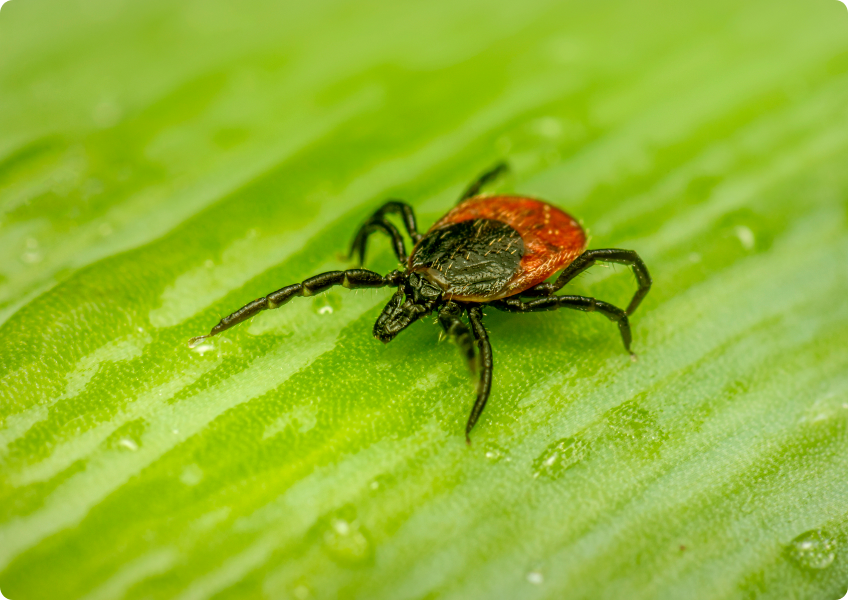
(378, 222)
(484, 386)
(351, 279)
(589, 258)
(613, 313)
(370, 226)
(488, 176)
(451, 321)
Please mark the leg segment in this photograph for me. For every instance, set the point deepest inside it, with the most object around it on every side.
(589, 258)
(353, 278)
(450, 319)
(370, 226)
(378, 222)
(484, 387)
(485, 178)
(613, 313)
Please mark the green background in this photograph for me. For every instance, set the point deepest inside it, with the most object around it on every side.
(162, 163)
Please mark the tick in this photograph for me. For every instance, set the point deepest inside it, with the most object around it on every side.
(490, 250)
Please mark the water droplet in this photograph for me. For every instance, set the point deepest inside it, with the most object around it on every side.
(637, 428)
(746, 237)
(536, 577)
(813, 549)
(346, 539)
(191, 475)
(128, 444)
(203, 348)
(327, 304)
(31, 257)
(495, 453)
(560, 456)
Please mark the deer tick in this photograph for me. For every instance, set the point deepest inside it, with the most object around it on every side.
(489, 250)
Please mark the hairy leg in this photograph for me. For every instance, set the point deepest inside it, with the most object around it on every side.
(378, 222)
(589, 258)
(488, 176)
(584, 303)
(352, 279)
(484, 386)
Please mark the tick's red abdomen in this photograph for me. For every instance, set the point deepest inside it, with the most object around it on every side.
(552, 238)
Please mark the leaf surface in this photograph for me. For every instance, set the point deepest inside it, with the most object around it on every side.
(162, 164)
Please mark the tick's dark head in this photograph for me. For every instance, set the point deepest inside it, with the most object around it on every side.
(415, 299)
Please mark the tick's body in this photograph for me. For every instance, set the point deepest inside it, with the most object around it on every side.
(488, 250)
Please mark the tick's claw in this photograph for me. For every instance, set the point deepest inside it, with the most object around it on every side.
(196, 340)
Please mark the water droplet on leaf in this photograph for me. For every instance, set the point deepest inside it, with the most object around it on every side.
(536, 577)
(327, 304)
(813, 550)
(128, 444)
(346, 539)
(191, 475)
(560, 456)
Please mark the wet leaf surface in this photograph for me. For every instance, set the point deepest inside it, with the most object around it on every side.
(163, 163)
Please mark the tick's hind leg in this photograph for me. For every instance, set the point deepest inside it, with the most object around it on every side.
(352, 279)
(378, 222)
(584, 303)
(589, 258)
(490, 175)
(484, 385)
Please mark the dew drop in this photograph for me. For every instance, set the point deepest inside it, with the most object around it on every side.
(495, 453)
(560, 456)
(346, 539)
(813, 549)
(636, 428)
(203, 348)
(746, 237)
(128, 444)
(191, 475)
(327, 304)
(536, 577)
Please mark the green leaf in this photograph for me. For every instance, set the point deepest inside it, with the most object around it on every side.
(163, 163)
